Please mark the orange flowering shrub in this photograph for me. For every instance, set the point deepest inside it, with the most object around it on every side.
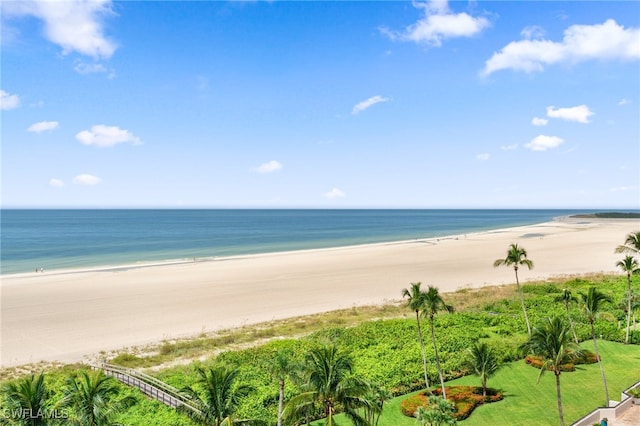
(465, 399)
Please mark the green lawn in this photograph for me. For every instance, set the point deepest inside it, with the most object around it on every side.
(526, 402)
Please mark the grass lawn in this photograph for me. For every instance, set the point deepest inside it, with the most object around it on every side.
(526, 402)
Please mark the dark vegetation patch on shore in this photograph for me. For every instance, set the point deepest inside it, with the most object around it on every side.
(608, 215)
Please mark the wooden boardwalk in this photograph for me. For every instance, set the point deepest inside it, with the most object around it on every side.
(149, 386)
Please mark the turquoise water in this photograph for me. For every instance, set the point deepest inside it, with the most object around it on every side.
(55, 239)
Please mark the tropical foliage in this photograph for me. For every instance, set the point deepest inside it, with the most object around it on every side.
(439, 412)
(517, 256)
(94, 399)
(385, 352)
(27, 401)
(631, 267)
(432, 304)
(567, 298)
(482, 362)
(217, 397)
(552, 342)
(592, 303)
(331, 385)
(415, 301)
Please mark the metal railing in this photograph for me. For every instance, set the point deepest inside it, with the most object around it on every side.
(149, 386)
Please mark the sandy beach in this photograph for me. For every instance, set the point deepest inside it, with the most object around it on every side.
(66, 315)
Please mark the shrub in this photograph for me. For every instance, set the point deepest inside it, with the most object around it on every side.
(588, 357)
(465, 399)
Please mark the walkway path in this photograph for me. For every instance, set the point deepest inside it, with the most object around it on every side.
(630, 418)
(149, 386)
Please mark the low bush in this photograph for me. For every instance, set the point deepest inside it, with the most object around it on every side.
(465, 399)
(588, 357)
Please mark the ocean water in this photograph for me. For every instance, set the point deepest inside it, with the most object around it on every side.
(61, 239)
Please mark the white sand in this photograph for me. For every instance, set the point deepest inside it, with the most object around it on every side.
(66, 315)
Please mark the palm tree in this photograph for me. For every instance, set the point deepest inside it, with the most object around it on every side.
(93, 398)
(415, 302)
(567, 298)
(433, 303)
(26, 401)
(631, 267)
(281, 367)
(517, 256)
(483, 363)
(631, 244)
(376, 396)
(331, 384)
(552, 342)
(439, 413)
(218, 397)
(592, 302)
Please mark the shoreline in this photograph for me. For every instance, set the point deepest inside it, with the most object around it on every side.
(66, 315)
(144, 260)
(189, 260)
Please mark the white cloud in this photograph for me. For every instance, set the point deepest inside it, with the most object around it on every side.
(74, 25)
(107, 136)
(8, 101)
(85, 179)
(56, 183)
(482, 157)
(269, 167)
(537, 121)
(509, 147)
(361, 106)
(438, 23)
(335, 193)
(622, 189)
(532, 32)
(43, 126)
(85, 68)
(580, 113)
(606, 41)
(624, 101)
(543, 143)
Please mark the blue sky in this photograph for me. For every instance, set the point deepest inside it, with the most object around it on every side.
(321, 104)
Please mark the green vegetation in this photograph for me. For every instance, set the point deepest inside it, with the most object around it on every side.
(94, 399)
(217, 397)
(385, 357)
(415, 301)
(331, 385)
(630, 266)
(465, 399)
(517, 256)
(552, 343)
(482, 362)
(609, 215)
(528, 403)
(592, 303)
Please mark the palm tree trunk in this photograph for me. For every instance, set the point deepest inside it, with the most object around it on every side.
(524, 309)
(280, 401)
(424, 352)
(604, 379)
(626, 339)
(575, 337)
(329, 415)
(435, 349)
(559, 399)
(484, 388)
